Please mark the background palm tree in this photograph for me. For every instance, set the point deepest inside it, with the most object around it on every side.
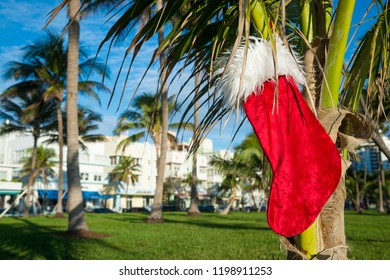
(127, 171)
(45, 62)
(44, 165)
(27, 112)
(233, 170)
(358, 185)
(146, 116)
(259, 170)
(88, 125)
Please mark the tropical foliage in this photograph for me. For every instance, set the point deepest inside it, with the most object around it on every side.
(259, 171)
(145, 118)
(44, 164)
(205, 36)
(24, 110)
(45, 63)
(232, 169)
(127, 171)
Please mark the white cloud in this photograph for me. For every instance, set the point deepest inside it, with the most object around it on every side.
(27, 15)
(108, 124)
(8, 54)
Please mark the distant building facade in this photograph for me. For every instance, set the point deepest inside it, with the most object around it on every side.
(96, 165)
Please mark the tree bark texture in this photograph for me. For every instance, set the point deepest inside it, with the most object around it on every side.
(31, 179)
(156, 215)
(59, 211)
(194, 210)
(232, 198)
(76, 220)
(357, 197)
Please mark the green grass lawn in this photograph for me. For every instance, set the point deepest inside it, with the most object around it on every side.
(208, 237)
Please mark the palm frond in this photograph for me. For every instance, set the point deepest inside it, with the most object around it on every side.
(363, 72)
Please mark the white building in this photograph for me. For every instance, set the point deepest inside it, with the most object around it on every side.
(142, 192)
(96, 164)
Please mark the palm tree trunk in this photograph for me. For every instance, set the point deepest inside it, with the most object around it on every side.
(357, 202)
(380, 183)
(326, 239)
(45, 187)
(331, 236)
(232, 198)
(59, 211)
(156, 214)
(31, 180)
(76, 220)
(127, 191)
(194, 210)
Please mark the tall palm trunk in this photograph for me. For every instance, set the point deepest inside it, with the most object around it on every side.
(194, 210)
(31, 180)
(156, 214)
(59, 211)
(326, 237)
(380, 182)
(76, 212)
(232, 198)
(357, 197)
(331, 233)
(127, 191)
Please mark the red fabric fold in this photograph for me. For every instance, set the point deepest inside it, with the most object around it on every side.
(305, 162)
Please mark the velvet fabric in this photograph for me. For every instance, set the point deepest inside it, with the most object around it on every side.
(305, 162)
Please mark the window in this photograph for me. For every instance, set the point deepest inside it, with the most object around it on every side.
(114, 160)
(84, 176)
(97, 178)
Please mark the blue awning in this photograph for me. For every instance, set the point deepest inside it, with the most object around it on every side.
(50, 194)
(8, 192)
(53, 194)
(91, 195)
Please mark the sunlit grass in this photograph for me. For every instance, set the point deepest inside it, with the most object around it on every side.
(208, 237)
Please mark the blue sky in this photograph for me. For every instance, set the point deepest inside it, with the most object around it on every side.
(21, 23)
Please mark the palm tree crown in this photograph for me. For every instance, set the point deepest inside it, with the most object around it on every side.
(27, 112)
(126, 170)
(44, 163)
(145, 115)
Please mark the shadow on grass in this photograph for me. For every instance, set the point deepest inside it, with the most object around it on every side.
(237, 226)
(23, 239)
(128, 217)
(229, 222)
(206, 220)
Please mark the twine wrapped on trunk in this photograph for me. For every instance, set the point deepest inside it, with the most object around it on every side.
(348, 130)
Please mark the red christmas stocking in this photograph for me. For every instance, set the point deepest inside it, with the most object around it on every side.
(305, 162)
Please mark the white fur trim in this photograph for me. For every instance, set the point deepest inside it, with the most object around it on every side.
(259, 68)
